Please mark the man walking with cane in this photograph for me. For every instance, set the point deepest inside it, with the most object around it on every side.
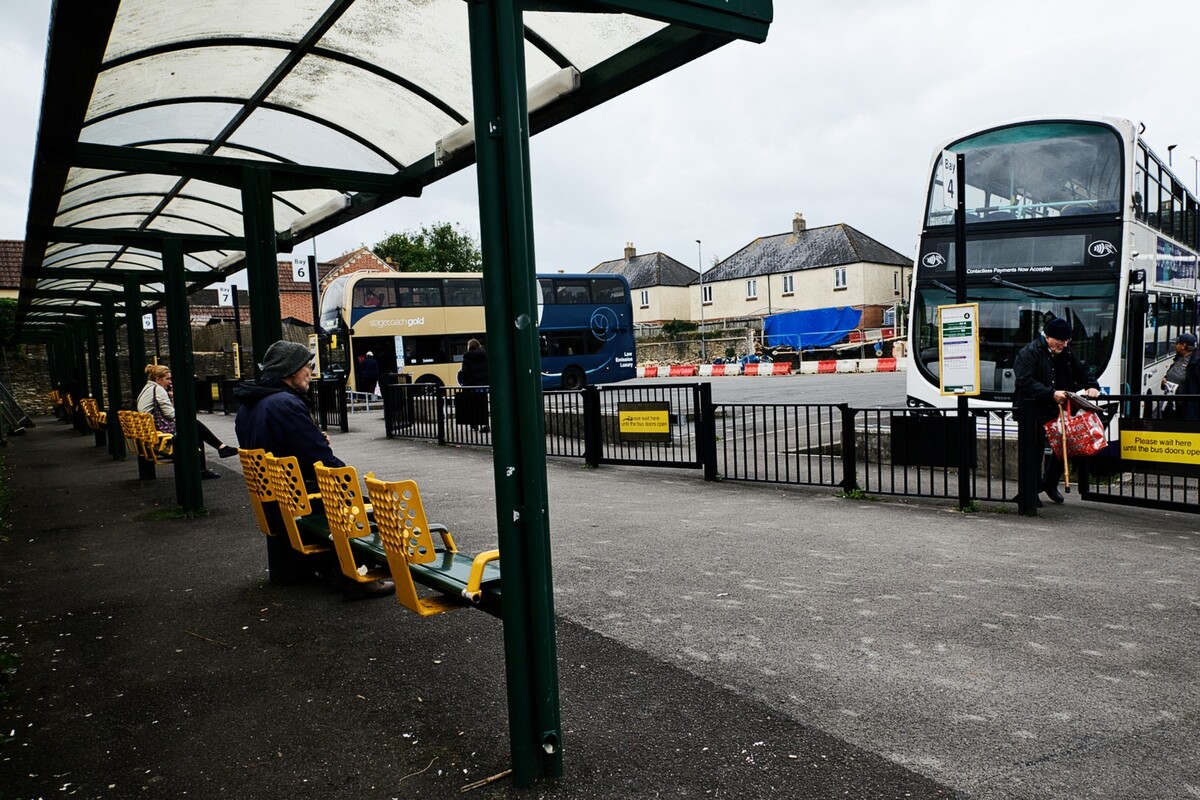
(1046, 369)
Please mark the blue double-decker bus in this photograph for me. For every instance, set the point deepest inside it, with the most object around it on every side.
(418, 324)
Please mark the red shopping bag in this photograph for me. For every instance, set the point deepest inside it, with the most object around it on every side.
(1085, 434)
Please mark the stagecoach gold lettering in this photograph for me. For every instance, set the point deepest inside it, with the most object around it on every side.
(411, 322)
(1179, 448)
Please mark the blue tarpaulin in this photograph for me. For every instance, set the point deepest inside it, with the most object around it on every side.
(805, 330)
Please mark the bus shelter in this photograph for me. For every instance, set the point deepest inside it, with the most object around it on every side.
(181, 143)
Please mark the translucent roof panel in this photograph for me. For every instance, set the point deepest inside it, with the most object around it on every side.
(211, 72)
(587, 39)
(303, 141)
(153, 112)
(149, 23)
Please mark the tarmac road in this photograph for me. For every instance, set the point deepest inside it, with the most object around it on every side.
(1005, 657)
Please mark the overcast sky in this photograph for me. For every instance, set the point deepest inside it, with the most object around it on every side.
(835, 116)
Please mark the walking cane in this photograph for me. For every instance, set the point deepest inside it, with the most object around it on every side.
(1062, 425)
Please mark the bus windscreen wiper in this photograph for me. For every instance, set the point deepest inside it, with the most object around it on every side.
(996, 279)
(943, 287)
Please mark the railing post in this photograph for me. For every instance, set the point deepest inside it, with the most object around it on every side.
(440, 401)
(1029, 473)
(706, 430)
(593, 436)
(849, 448)
(342, 406)
(390, 390)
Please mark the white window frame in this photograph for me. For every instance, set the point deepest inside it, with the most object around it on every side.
(645, 298)
(706, 294)
(752, 289)
(789, 285)
(839, 279)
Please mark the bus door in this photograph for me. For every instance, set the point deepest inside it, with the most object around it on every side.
(1136, 312)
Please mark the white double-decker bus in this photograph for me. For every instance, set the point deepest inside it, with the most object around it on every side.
(1072, 217)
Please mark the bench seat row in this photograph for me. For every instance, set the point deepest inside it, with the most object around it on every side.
(391, 529)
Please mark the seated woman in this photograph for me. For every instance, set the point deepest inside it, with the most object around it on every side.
(155, 400)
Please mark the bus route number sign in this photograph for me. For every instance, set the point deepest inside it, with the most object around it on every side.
(644, 421)
(958, 349)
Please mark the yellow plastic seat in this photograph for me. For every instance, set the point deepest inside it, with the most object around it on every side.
(404, 531)
(256, 471)
(346, 512)
(295, 503)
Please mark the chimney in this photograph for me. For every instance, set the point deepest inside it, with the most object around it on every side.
(798, 223)
(630, 250)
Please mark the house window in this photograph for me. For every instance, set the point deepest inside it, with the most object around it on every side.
(789, 284)
(706, 295)
(895, 283)
(752, 289)
(645, 298)
(839, 278)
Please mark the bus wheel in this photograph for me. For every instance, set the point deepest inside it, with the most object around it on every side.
(429, 384)
(573, 379)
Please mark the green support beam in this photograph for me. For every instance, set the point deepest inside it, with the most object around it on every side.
(518, 435)
(112, 365)
(135, 338)
(143, 240)
(262, 266)
(179, 336)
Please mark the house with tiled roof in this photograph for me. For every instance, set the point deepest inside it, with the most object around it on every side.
(659, 284)
(806, 268)
(295, 297)
(11, 252)
(360, 260)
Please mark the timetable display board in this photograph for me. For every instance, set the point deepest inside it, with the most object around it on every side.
(958, 349)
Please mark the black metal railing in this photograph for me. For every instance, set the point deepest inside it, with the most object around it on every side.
(893, 451)
(777, 443)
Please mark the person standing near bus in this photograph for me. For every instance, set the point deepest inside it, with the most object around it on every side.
(1046, 369)
(475, 375)
(1188, 409)
(368, 373)
(1175, 381)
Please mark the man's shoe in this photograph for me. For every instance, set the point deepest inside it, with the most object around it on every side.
(208, 475)
(225, 451)
(1054, 495)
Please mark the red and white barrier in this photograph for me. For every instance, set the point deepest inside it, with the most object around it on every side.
(828, 367)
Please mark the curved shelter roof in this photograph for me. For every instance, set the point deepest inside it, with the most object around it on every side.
(155, 112)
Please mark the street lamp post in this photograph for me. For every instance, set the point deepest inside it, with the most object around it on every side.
(700, 264)
(1195, 175)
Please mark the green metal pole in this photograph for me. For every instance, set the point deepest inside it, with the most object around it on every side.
(262, 262)
(112, 365)
(133, 334)
(92, 332)
(518, 438)
(179, 338)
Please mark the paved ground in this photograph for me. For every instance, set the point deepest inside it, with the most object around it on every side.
(715, 640)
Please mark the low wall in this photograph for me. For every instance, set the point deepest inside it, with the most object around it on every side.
(777, 368)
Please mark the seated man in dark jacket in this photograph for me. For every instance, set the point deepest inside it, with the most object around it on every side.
(1046, 369)
(274, 414)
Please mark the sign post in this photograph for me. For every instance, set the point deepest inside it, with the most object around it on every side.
(966, 347)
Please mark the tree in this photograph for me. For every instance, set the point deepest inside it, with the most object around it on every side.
(440, 248)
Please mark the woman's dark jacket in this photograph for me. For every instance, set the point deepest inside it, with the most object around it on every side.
(1035, 378)
(277, 419)
(475, 368)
